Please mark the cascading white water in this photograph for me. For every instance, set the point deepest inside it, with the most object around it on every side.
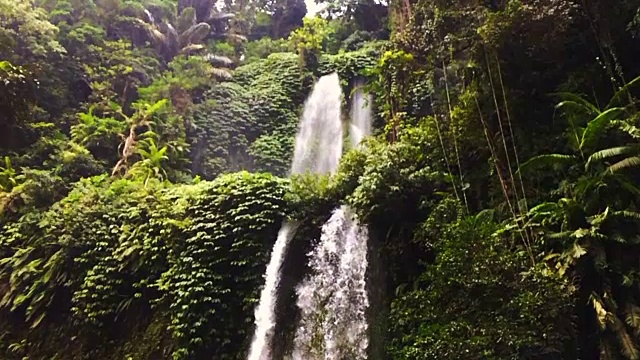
(333, 300)
(319, 139)
(360, 114)
(318, 149)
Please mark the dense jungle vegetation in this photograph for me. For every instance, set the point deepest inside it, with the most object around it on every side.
(145, 146)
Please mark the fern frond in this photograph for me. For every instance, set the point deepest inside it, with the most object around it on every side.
(556, 161)
(601, 313)
(577, 251)
(626, 163)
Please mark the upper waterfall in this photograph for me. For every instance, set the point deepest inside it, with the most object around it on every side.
(319, 140)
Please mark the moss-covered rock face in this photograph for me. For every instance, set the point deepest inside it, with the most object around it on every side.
(250, 122)
(152, 271)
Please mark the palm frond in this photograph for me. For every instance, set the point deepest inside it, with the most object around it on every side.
(611, 152)
(237, 37)
(191, 49)
(560, 235)
(626, 163)
(222, 74)
(156, 36)
(627, 215)
(626, 183)
(555, 161)
(485, 216)
(596, 126)
(149, 16)
(218, 60)
(543, 208)
(221, 16)
(173, 39)
(195, 34)
(186, 19)
(618, 95)
(574, 100)
(628, 128)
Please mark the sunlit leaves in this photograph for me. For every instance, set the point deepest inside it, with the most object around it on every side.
(28, 26)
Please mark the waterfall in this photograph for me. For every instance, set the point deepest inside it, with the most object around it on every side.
(333, 299)
(318, 148)
(360, 114)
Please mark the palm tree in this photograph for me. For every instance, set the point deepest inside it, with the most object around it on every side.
(186, 37)
(593, 228)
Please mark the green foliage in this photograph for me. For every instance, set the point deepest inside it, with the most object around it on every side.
(186, 74)
(276, 88)
(480, 299)
(152, 264)
(124, 251)
(114, 71)
(221, 130)
(350, 65)
(392, 75)
(17, 89)
(392, 182)
(25, 31)
(262, 48)
(97, 134)
(152, 160)
(273, 152)
(255, 202)
(7, 176)
(34, 190)
(594, 219)
(310, 40)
